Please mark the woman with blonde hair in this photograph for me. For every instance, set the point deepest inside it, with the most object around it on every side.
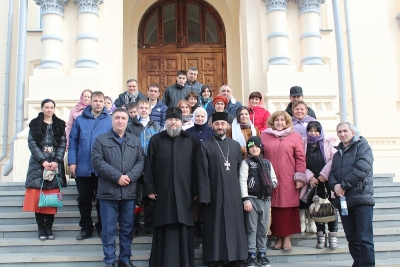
(283, 147)
(187, 115)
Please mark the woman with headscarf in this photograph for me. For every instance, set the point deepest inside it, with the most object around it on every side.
(242, 128)
(220, 103)
(109, 104)
(201, 130)
(46, 143)
(283, 147)
(258, 114)
(319, 153)
(77, 110)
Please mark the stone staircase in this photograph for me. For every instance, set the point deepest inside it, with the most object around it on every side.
(19, 245)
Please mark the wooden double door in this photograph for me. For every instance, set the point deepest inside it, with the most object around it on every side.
(161, 67)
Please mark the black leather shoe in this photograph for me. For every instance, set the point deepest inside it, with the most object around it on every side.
(126, 264)
(83, 235)
(110, 265)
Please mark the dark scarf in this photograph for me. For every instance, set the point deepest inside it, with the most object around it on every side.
(317, 139)
(264, 175)
(38, 128)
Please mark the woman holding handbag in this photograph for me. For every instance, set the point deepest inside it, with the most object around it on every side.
(46, 172)
(319, 153)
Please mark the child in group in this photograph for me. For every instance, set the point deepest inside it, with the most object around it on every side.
(257, 180)
(132, 109)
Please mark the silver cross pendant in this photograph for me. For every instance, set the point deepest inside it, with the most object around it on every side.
(227, 164)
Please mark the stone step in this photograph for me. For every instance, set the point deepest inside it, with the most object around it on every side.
(70, 194)
(299, 254)
(28, 241)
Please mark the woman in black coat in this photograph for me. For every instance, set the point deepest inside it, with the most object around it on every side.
(47, 143)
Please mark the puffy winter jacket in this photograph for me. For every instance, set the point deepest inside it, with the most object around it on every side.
(121, 101)
(144, 133)
(259, 117)
(352, 168)
(85, 129)
(174, 93)
(111, 159)
(34, 175)
(158, 113)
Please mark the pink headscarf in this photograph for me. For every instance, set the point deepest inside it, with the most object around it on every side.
(81, 106)
(258, 95)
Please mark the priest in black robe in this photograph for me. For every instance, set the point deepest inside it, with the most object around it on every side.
(170, 180)
(219, 159)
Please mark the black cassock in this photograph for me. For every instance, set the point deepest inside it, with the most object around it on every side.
(224, 236)
(170, 173)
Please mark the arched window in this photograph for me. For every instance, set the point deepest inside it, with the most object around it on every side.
(164, 25)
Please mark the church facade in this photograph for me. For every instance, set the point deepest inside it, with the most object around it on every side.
(252, 45)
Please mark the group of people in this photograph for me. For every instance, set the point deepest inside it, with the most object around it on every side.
(200, 166)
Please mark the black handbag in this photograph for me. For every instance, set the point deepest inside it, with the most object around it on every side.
(322, 210)
(52, 199)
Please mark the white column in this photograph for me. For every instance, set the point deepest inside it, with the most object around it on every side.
(88, 24)
(52, 41)
(277, 37)
(309, 13)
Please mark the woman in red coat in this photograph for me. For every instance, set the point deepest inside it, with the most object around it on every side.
(258, 114)
(284, 148)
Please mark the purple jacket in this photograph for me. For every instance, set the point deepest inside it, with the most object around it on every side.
(301, 125)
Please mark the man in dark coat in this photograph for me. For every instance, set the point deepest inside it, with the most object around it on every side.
(170, 180)
(219, 159)
(296, 94)
(177, 91)
(131, 95)
(351, 176)
(118, 159)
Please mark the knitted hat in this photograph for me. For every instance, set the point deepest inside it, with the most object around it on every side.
(254, 141)
(173, 112)
(220, 98)
(219, 116)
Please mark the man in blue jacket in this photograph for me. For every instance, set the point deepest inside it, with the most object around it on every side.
(157, 107)
(118, 159)
(93, 122)
(233, 104)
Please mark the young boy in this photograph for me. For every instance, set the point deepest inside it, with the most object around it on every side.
(144, 127)
(257, 180)
(132, 109)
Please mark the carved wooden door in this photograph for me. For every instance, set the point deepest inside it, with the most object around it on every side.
(161, 68)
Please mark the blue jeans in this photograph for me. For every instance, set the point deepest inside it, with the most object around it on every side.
(359, 233)
(110, 211)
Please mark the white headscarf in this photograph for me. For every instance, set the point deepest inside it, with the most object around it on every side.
(197, 110)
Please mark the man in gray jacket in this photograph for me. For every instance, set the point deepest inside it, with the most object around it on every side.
(118, 159)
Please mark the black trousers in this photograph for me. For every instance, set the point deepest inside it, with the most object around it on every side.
(87, 189)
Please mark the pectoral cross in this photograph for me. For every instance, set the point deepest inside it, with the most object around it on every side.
(227, 164)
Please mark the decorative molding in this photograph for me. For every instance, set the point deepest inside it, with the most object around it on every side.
(279, 60)
(312, 60)
(273, 5)
(398, 18)
(49, 63)
(309, 5)
(310, 34)
(51, 37)
(87, 36)
(52, 6)
(277, 34)
(88, 6)
(86, 63)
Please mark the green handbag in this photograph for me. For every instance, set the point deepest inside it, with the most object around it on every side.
(52, 199)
